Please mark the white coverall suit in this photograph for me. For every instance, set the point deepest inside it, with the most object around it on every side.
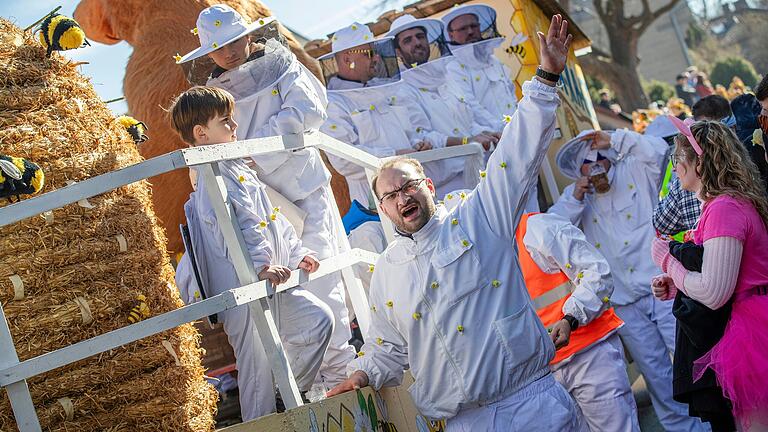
(380, 121)
(476, 76)
(450, 301)
(276, 95)
(304, 322)
(595, 376)
(618, 224)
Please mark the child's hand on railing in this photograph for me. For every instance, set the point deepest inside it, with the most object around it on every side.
(276, 274)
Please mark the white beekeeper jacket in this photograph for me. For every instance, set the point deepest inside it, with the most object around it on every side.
(378, 120)
(618, 222)
(556, 245)
(450, 302)
(478, 76)
(447, 116)
(276, 95)
(269, 242)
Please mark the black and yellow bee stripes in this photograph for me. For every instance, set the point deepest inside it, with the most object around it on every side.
(60, 33)
(140, 311)
(19, 177)
(135, 128)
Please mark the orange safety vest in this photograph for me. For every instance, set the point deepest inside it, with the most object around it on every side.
(550, 291)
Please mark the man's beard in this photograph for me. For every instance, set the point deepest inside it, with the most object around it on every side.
(426, 209)
(418, 57)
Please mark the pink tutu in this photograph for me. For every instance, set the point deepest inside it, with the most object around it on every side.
(740, 360)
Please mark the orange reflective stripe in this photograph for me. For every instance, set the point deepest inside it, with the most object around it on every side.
(549, 292)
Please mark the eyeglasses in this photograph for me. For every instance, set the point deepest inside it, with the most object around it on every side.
(409, 188)
(364, 51)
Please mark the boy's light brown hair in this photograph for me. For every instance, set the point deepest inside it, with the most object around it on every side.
(197, 106)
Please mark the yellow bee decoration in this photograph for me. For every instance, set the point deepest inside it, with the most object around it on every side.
(134, 127)
(19, 177)
(140, 311)
(61, 33)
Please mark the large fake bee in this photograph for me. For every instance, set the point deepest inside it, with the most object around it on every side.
(19, 177)
(140, 311)
(61, 33)
(135, 128)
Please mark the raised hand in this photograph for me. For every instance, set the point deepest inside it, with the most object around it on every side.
(553, 48)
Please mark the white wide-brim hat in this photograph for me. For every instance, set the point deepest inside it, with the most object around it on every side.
(485, 14)
(661, 127)
(433, 27)
(571, 155)
(220, 25)
(353, 35)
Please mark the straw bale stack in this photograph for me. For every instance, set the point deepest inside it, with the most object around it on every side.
(77, 272)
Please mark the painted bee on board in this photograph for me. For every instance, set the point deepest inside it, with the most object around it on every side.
(61, 33)
(516, 45)
(135, 128)
(140, 311)
(19, 177)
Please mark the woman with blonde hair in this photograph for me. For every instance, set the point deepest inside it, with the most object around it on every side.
(733, 229)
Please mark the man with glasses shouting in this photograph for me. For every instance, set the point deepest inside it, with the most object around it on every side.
(447, 296)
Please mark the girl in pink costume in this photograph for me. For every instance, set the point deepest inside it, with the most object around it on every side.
(733, 229)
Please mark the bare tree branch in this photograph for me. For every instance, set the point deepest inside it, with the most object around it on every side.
(659, 12)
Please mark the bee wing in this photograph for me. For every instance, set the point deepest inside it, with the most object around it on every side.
(518, 39)
(10, 169)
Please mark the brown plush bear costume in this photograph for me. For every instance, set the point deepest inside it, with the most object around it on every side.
(157, 30)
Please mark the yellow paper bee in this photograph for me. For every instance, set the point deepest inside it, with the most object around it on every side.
(61, 33)
(19, 177)
(135, 128)
(140, 311)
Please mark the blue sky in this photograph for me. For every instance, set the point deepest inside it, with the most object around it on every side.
(107, 62)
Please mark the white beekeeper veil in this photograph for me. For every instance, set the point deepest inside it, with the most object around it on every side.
(573, 153)
(481, 51)
(431, 28)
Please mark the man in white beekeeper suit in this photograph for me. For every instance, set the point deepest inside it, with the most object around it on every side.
(423, 55)
(448, 297)
(365, 107)
(476, 74)
(570, 283)
(617, 187)
(276, 95)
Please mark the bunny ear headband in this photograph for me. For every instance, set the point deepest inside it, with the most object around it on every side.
(685, 128)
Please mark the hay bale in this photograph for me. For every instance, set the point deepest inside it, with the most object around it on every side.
(82, 267)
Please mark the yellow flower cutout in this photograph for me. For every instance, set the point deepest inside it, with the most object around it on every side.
(275, 92)
(568, 265)
(263, 224)
(597, 245)
(379, 341)
(454, 221)
(416, 316)
(606, 299)
(413, 65)
(354, 27)
(477, 78)
(392, 100)
(217, 23)
(373, 308)
(507, 118)
(261, 22)
(194, 31)
(482, 174)
(580, 275)
(461, 99)
(177, 57)
(276, 209)
(629, 216)
(631, 186)
(465, 243)
(361, 353)
(503, 164)
(496, 283)
(460, 328)
(434, 285)
(241, 179)
(449, 196)
(370, 268)
(365, 37)
(372, 107)
(455, 130)
(461, 65)
(462, 195)
(273, 217)
(197, 294)
(390, 304)
(334, 127)
(215, 45)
